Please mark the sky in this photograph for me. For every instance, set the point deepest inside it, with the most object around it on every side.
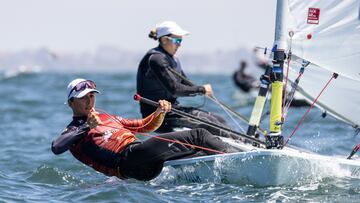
(84, 25)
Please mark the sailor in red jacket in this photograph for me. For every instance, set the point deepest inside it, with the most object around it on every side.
(108, 143)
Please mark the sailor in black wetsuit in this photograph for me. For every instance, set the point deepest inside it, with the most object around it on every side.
(243, 80)
(108, 143)
(156, 80)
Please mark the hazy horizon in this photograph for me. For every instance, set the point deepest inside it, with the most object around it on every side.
(77, 26)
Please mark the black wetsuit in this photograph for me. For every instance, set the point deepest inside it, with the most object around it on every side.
(243, 81)
(142, 160)
(155, 81)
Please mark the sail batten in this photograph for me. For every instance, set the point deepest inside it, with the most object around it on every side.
(340, 99)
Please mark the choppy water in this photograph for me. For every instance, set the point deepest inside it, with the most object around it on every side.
(32, 114)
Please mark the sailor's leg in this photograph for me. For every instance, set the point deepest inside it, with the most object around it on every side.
(144, 161)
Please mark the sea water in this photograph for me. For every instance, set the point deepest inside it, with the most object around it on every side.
(33, 113)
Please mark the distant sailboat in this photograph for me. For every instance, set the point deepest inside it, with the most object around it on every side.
(22, 70)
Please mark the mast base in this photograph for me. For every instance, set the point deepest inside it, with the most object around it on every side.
(274, 141)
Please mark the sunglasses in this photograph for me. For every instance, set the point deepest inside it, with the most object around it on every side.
(82, 86)
(175, 40)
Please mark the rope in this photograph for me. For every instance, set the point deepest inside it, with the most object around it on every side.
(286, 80)
(357, 130)
(182, 143)
(116, 120)
(291, 34)
(228, 113)
(311, 106)
(137, 97)
(293, 89)
(157, 137)
(223, 106)
(356, 148)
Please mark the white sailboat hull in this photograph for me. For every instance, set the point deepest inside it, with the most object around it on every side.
(325, 34)
(263, 167)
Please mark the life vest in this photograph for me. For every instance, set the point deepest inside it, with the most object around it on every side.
(101, 147)
(148, 83)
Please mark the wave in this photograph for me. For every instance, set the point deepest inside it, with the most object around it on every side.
(52, 175)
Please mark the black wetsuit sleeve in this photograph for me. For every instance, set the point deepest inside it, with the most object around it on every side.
(188, 82)
(67, 138)
(160, 66)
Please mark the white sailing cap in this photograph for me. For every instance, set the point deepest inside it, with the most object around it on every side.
(169, 27)
(78, 90)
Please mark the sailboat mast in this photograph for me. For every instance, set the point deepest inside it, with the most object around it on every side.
(273, 75)
(275, 139)
(280, 40)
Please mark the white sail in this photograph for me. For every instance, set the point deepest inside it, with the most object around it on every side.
(327, 34)
(340, 99)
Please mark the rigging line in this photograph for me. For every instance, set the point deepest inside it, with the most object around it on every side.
(203, 103)
(293, 90)
(357, 130)
(212, 98)
(182, 143)
(116, 120)
(214, 125)
(229, 110)
(287, 73)
(356, 148)
(228, 113)
(288, 103)
(334, 76)
(168, 140)
(241, 117)
(286, 81)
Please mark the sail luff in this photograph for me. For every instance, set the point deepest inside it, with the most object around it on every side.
(275, 139)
